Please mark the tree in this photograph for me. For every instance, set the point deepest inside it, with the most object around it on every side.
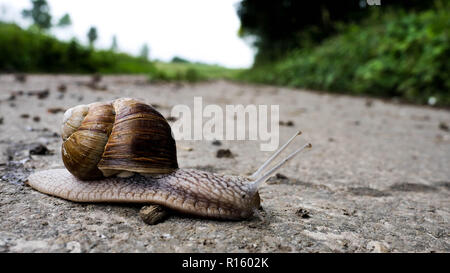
(39, 13)
(65, 21)
(92, 36)
(114, 45)
(144, 52)
(177, 59)
(276, 27)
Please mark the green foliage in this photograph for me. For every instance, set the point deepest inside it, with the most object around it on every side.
(29, 51)
(144, 52)
(114, 45)
(32, 51)
(39, 13)
(192, 72)
(281, 26)
(177, 59)
(64, 21)
(92, 35)
(394, 54)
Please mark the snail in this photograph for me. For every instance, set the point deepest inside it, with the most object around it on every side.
(124, 151)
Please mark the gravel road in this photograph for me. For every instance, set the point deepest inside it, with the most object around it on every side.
(376, 180)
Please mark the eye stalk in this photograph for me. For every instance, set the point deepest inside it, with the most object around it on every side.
(258, 181)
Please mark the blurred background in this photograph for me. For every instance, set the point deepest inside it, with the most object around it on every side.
(380, 48)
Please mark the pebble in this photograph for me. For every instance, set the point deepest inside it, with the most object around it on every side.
(41, 94)
(277, 179)
(40, 149)
(224, 153)
(170, 118)
(289, 123)
(444, 127)
(20, 77)
(303, 213)
(216, 142)
(62, 88)
(55, 110)
(153, 214)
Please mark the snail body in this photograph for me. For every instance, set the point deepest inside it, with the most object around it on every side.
(124, 151)
(185, 190)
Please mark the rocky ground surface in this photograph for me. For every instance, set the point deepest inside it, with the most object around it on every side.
(376, 180)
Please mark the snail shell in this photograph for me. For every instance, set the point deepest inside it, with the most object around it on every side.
(107, 138)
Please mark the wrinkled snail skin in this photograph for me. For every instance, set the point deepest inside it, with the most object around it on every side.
(188, 191)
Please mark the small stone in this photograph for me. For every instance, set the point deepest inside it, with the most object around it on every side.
(55, 110)
(40, 150)
(62, 88)
(289, 123)
(281, 176)
(224, 153)
(170, 118)
(186, 148)
(96, 78)
(153, 214)
(216, 143)
(24, 116)
(277, 179)
(443, 126)
(1, 120)
(20, 77)
(36, 119)
(41, 94)
(303, 213)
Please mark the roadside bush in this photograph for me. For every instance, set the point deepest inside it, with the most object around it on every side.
(395, 54)
(34, 51)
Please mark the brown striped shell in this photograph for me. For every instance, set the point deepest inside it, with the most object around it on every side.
(107, 138)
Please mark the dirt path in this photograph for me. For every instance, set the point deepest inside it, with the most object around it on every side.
(377, 178)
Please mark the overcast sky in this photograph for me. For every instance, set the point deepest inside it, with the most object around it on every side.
(198, 30)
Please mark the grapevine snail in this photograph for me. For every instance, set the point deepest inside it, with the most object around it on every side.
(124, 151)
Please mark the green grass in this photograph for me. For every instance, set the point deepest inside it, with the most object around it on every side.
(193, 72)
(391, 54)
(34, 51)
